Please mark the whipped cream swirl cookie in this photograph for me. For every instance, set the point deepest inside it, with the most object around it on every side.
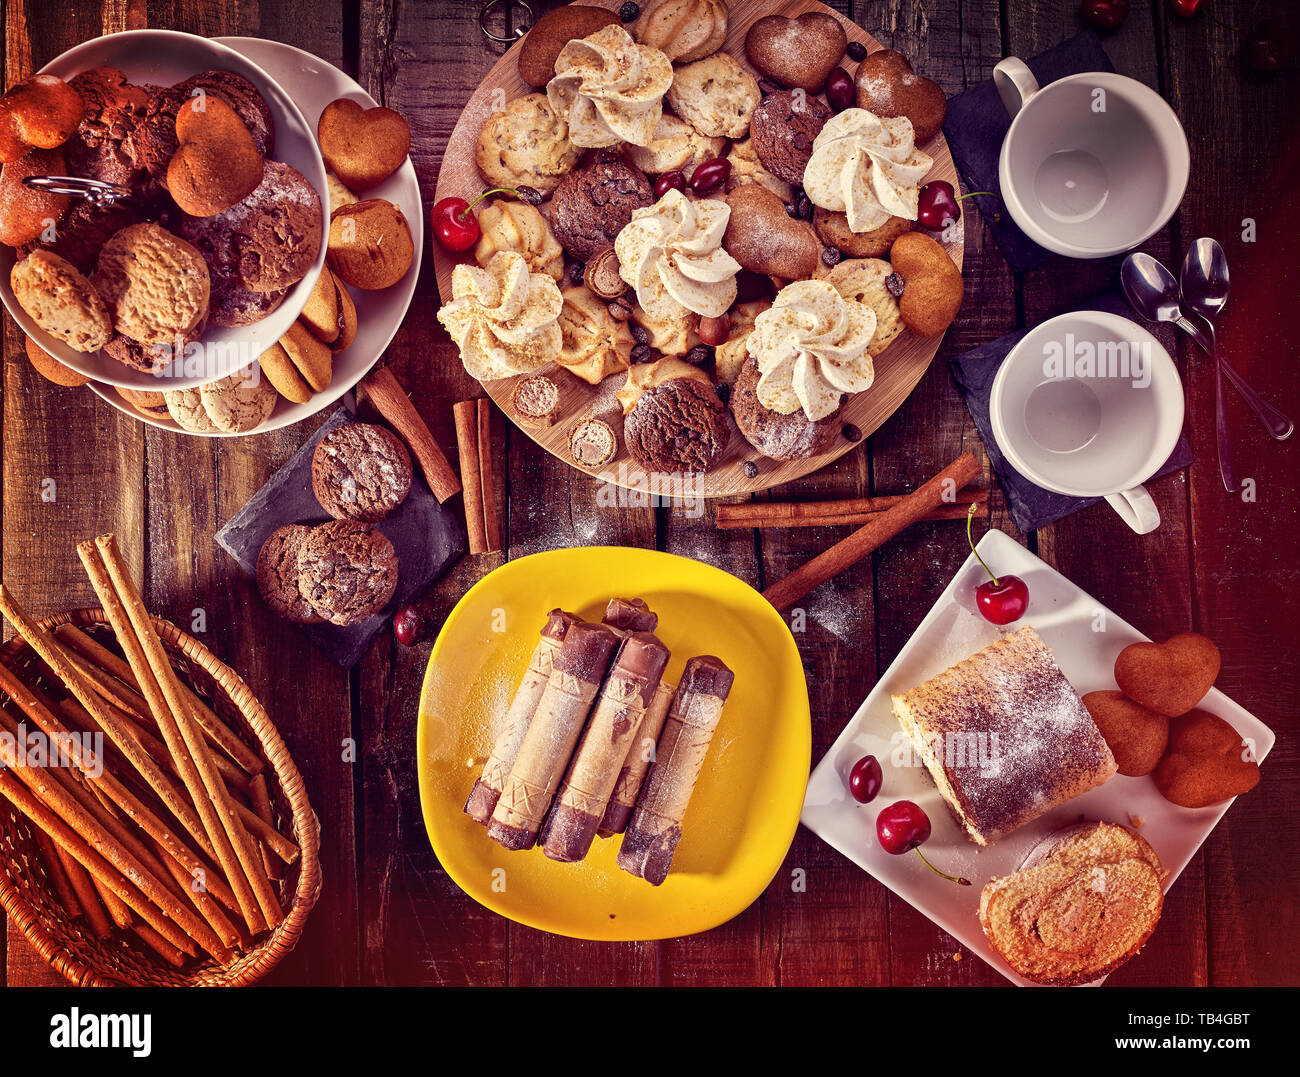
(811, 346)
(504, 318)
(866, 168)
(610, 89)
(671, 253)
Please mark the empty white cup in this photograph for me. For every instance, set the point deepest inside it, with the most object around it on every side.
(1093, 164)
(1089, 404)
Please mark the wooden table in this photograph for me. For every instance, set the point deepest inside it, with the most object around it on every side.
(1219, 564)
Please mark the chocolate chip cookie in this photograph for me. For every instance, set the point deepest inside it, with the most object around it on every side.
(679, 425)
(277, 574)
(347, 571)
(360, 472)
(594, 201)
(777, 436)
(782, 132)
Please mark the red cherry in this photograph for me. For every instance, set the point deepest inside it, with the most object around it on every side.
(839, 90)
(901, 827)
(670, 181)
(865, 779)
(454, 224)
(1000, 599)
(937, 207)
(710, 175)
(407, 625)
(1185, 8)
(1104, 14)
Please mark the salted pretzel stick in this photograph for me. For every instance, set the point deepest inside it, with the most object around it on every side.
(87, 896)
(214, 728)
(236, 850)
(88, 857)
(58, 875)
(130, 804)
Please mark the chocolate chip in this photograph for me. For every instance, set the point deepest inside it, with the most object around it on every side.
(805, 207)
(751, 469)
(530, 196)
(851, 432)
(698, 355)
(895, 284)
(629, 12)
(723, 390)
(792, 209)
(830, 256)
(802, 141)
(620, 309)
(641, 334)
(857, 51)
(576, 271)
(598, 195)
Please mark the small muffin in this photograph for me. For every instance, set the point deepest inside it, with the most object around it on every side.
(526, 143)
(347, 571)
(833, 229)
(360, 472)
(277, 574)
(59, 299)
(780, 437)
(240, 402)
(594, 202)
(676, 146)
(716, 96)
(783, 130)
(155, 284)
(370, 244)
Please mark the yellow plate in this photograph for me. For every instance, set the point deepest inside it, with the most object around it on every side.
(745, 809)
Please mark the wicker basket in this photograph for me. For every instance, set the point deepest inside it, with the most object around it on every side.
(25, 888)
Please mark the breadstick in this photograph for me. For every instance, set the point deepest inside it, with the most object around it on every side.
(640, 754)
(505, 750)
(580, 803)
(58, 875)
(656, 825)
(548, 744)
(87, 896)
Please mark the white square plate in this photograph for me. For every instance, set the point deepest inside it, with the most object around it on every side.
(1085, 638)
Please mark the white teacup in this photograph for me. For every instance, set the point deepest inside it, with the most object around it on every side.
(1089, 404)
(1093, 164)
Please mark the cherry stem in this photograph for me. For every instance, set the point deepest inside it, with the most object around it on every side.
(975, 194)
(950, 878)
(970, 515)
(463, 215)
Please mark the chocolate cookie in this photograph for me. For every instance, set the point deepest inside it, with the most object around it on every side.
(594, 201)
(231, 304)
(101, 147)
(267, 242)
(277, 574)
(360, 472)
(347, 571)
(782, 132)
(777, 436)
(679, 425)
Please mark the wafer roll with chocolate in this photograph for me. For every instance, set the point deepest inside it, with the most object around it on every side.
(625, 615)
(576, 675)
(580, 803)
(640, 754)
(487, 790)
(656, 824)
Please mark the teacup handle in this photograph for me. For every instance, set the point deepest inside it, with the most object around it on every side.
(1016, 84)
(1136, 509)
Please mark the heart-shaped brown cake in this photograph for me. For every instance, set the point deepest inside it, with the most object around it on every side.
(887, 86)
(362, 146)
(797, 53)
(1169, 678)
(1137, 737)
(1206, 762)
(763, 238)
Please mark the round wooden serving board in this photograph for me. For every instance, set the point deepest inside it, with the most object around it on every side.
(898, 368)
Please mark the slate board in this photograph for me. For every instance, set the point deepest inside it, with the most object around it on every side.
(428, 538)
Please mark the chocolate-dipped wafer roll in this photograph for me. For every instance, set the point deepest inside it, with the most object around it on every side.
(656, 824)
(640, 754)
(580, 803)
(576, 675)
(487, 790)
(625, 615)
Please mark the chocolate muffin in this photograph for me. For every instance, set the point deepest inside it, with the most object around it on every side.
(594, 201)
(267, 242)
(783, 130)
(777, 436)
(679, 425)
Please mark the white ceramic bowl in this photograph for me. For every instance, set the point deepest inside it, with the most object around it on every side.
(165, 57)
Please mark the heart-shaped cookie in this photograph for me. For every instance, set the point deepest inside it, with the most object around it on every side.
(1137, 737)
(362, 146)
(1206, 762)
(799, 52)
(38, 113)
(1169, 678)
(763, 238)
(887, 86)
(932, 285)
(216, 163)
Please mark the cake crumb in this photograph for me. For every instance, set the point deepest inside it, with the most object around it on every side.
(956, 956)
(1135, 821)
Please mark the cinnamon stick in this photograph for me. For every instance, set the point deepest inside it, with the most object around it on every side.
(785, 593)
(491, 519)
(851, 510)
(471, 475)
(394, 405)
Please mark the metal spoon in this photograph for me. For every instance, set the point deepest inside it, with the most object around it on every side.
(97, 192)
(1153, 291)
(1204, 286)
